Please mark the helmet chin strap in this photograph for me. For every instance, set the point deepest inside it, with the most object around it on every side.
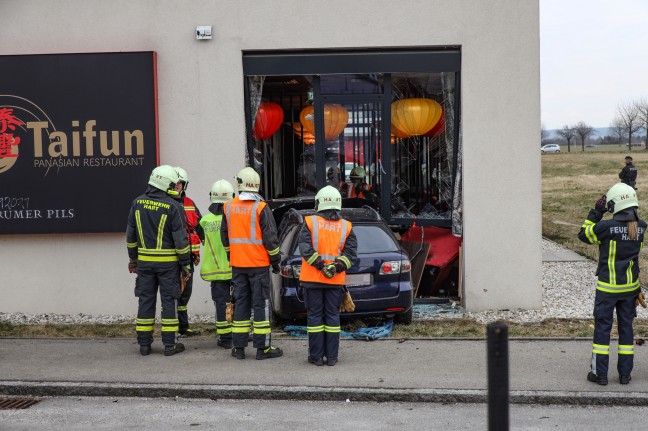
(172, 192)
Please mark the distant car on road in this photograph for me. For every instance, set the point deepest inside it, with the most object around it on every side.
(550, 148)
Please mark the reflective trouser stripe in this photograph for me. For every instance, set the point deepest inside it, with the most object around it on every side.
(626, 349)
(223, 328)
(311, 329)
(600, 349)
(241, 326)
(331, 328)
(170, 325)
(182, 308)
(262, 327)
(144, 325)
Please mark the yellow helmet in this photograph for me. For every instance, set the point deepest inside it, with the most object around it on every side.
(221, 192)
(164, 178)
(357, 173)
(328, 198)
(248, 180)
(621, 196)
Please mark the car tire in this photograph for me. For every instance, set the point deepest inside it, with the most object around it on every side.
(405, 318)
(557, 151)
(542, 151)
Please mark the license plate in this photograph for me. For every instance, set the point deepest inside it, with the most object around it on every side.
(358, 280)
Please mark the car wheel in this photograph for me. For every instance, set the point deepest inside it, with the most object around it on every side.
(542, 151)
(557, 151)
(405, 318)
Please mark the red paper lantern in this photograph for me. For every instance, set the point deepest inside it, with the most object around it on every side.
(268, 120)
(438, 128)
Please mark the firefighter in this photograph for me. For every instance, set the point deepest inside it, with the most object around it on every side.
(193, 216)
(328, 247)
(628, 174)
(215, 266)
(620, 240)
(358, 187)
(249, 234)
(158, 250)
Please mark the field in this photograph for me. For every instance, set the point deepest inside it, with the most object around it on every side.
(572, 182)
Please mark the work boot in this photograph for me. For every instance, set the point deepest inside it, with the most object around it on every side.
(145, 349)
(601, 380)
(188, 333)
(316, 361)
(238, 352)
(224, 344)
(624, 380)
(331, 361)
(269, 352)
(172, 349)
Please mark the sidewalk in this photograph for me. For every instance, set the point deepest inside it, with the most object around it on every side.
(541, 371)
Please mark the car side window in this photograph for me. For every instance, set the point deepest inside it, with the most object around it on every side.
(288, 240)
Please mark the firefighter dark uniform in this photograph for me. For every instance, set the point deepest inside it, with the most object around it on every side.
(249, 234)
(193, 217)
(158, 248)
(618, 279)
(215, 266)
(628, 174)
(328, 247)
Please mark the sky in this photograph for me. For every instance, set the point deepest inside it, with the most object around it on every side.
(593, 57)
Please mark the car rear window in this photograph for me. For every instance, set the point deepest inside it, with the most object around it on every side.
(371, 239)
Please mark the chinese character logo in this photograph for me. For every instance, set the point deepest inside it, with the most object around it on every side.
(8, 142)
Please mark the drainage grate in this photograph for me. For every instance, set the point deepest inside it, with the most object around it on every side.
(16, 403)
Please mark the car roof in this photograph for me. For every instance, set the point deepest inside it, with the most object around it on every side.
(364, 214)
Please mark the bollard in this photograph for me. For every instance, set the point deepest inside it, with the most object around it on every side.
(498, 377)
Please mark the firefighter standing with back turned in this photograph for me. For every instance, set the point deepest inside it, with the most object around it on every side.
(249, 234)
(328, 247)
(157, 241)
(215, 266)
(620, 240)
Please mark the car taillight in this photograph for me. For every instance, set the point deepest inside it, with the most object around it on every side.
(395, 267)
(290, 271)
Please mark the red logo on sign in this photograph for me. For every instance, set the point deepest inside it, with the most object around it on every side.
(8, 123)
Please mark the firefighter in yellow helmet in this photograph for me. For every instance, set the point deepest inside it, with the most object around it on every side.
(328, 247)
(157, 242)
(215, 266)
(619, 240)
(249, 234)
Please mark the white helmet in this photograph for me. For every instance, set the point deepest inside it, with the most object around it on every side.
(620, 197)
(221, 192)
(164, 178)
(248, 180)
(328, 198)
(183, 176)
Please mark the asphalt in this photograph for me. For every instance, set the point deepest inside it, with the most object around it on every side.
(541, 371)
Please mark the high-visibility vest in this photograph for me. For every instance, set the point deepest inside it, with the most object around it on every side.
(351, 191)
(244, 232)
(192, 224)
(328, 238)
(215, 265)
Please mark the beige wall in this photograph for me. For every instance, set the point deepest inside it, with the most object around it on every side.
(200, 91)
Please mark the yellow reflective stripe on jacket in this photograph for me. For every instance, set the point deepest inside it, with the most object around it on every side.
(157, 258)
(160, 234)
(346, 261)
(138, 222)
(195, 247)
(626, 349)
(182, 250)
(157, 251)
(629, 272)
(588, 227)
(600, 349)
(312, 259)
(273, 252)
(610, 262)
(617, 288)
(131, 244)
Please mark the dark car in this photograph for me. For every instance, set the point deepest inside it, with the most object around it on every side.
(379, 280)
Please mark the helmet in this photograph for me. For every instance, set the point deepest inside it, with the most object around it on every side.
(620, 197)
(183, 176)
(164, 178)
(328, 198)
(357, 173)
(247, 180)
(221, 191)
(332, 172)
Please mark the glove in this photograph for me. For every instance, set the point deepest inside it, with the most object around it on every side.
(132, 266)
(319, 264)
(186, 271)
(195, 258)
(275, 269)
(339, 266)
(600, 204)
(641, 300)
(329, 270)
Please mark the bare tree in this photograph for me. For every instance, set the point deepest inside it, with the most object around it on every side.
(617, 128)
(628, 116)
(642, 107)
(583, 130)
(568, 133)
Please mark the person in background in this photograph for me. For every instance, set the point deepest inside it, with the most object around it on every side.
(193, 216)
(620, 240)
(215, 266)
(156, 239)
(328, 247)
(358, 187)
(249, 234)
(628, 174)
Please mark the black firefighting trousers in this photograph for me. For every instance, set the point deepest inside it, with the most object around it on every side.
(604, 306)
(166, 276)
(323, 320)
(220, 292)
(251, 291)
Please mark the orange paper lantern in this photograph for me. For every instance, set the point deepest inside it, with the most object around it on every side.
(438, 128)
(307, 137)
(336, 118)
(268, 120)
(415, 116)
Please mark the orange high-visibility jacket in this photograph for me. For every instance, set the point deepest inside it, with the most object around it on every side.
(244, 232)
(349, 190)
(329, 237)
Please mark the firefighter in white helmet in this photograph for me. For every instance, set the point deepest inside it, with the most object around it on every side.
(358, 188)
(215, 266)
(192, 221)
(249, 233)
(157, 242)
(619, 240)
(329, 248)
